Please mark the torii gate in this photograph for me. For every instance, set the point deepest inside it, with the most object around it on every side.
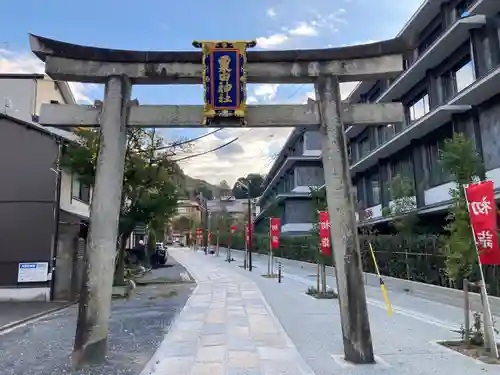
(119, 70)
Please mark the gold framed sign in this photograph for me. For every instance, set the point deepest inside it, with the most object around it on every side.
(224, 79)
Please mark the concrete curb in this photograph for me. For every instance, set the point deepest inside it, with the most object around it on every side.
(34, 317)
(453, 297)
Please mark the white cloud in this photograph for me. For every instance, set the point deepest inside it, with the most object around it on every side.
(271, 13)
(271, 41)
(257, 144)
(27, 63)
(345, 89)
(303, 29)
(311, 28)
(265, 92)
(256, 155)
(251, 99)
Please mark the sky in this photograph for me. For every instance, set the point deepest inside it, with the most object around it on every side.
(173, 25)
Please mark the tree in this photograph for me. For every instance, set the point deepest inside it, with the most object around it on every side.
(402, 210)
(319, 203)
(253, 181)
(205, 191)
(224, 185)
(224, 189)
(460, 159)
(150, 182)
(182, 224)
(403, 205)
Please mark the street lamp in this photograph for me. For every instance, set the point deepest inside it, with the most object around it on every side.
(250, 224)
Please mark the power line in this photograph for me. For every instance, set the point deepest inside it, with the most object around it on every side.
(188, 141)
(206, 152)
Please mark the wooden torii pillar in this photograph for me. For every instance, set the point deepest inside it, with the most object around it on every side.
(118, 70)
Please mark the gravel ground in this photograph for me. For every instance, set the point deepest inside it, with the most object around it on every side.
(137, 327)
(171, 272)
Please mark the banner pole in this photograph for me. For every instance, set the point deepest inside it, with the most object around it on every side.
(489, 333)
(269, 260)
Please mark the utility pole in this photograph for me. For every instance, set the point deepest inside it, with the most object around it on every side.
(250, 234)
(250, 224)
(356, 333)
(218, 233)
(204, 208)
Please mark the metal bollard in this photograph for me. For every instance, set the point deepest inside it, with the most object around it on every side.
(279, 272)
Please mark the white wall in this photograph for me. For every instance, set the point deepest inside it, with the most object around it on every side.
(46, 91)
(296, 227)
(19, 95)
(68, 203)
(441, 193)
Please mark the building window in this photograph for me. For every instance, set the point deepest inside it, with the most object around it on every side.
(182, 210)
(385, 133)
(463, 75)
(363, 147)
(360, 194)
(430, 39)
(419, 108)
(79, 190)
(404, 168)
(373, 190)
(462, 8)
(374, 96)
(437, 174)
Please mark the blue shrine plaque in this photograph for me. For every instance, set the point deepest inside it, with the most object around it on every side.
(224, 80)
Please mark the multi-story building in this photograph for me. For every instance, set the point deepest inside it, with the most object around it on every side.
(451, 83)
(287, 186)
(188, 208)
(45, 213)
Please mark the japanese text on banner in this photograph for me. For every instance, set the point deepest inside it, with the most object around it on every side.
(324, 233)
(483, 219)
(225, 87)
(274, 232)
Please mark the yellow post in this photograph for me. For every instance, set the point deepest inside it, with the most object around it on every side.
(382, 285)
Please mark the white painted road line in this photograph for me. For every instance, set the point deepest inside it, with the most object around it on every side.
(396, 309)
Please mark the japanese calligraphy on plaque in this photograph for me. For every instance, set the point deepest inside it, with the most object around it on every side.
(224, 80)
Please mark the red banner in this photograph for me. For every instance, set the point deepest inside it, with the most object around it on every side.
(324, 233)
(209, 237)
(247, 235)
(233, 228)
(274, 232)
(483, 219)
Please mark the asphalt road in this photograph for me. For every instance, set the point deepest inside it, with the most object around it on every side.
(11, 312)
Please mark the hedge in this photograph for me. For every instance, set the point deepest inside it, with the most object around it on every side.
(416, 258)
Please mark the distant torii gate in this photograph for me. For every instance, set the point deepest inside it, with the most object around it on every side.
(119, 70)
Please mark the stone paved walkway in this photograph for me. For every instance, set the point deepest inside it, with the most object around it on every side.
(226, 328)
